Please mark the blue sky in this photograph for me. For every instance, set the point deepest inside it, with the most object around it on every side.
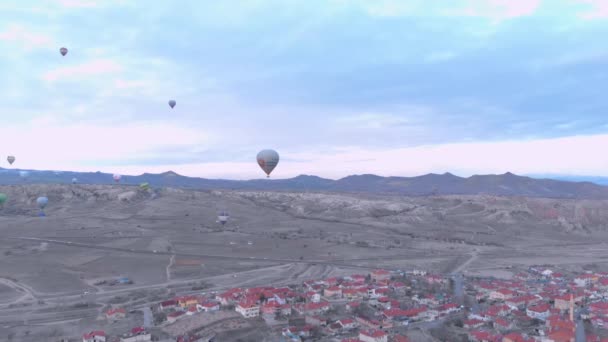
(391, 87)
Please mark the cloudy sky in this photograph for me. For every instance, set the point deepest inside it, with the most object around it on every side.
(337, 87)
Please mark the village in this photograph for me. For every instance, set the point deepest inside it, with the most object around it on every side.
(538, 304)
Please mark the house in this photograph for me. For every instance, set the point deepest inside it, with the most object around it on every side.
(174, 316)
(138, 334)
(208, 306)
(354, 293)
(333, 291)
(373, 336)
(94, 336)
(347, 323)
(540, 311)
(315, 320)
(312, 296)
(585, 279)
(191, 310)
(270, 308)
(370, 323)
(448, 308)
(521, 302)
(187, 301)
(168, 304)
(116, 314)
(481, 336)
(502, 324)
(563, 302)
(303, 331)
(473, 323)
(561, 335)
(312, 308)
(502, 294)
(248, 309)
(351, 306)
(516, 337)
(380, 275)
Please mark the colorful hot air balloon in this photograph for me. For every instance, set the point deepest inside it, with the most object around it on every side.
(42, 202)
(117, 178)
(223, 216)
(10, 159)
(268, 160)
(172, 103)
(144, 186)
(3, 198)
(63, 51)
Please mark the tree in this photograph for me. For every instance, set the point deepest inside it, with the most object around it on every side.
(159, 317)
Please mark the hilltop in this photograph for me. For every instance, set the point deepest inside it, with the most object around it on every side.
(507, 184)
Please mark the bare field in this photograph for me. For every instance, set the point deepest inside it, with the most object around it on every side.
(172, 240)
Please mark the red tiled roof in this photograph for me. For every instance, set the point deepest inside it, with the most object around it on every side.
(373, 333)
(94, 333)
(540, 308)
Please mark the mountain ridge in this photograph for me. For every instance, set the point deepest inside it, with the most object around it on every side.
(507, 184)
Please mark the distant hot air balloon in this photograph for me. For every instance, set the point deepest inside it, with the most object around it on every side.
(23, 174)
(144, 186)
(42, 202)
(268, 160)
(3, 198)
(172, 103)
(63, 51)
(223, 216)
(74, 180)
(10, 159)
(117, 178)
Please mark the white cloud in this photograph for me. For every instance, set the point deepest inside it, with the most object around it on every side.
(599, 9)
(569, 155)
(85, 70)
(45, 143)
(372, 121)
(25, 37)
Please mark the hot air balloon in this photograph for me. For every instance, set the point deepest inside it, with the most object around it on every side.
(223, 216)
(74, 180)
(23, 174)
(117, 178)
(268, 160)
(144, 186)
(10, 159)
(42, 202)
(63, 51)
(172, 103)
(3, 198)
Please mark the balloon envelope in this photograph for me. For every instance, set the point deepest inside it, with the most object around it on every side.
(117, 177)
(23, 174)
(268, 160)
(74, 180)
(63, 51)
(172, 103)
(42, 202)
(10, 159)
(144, 186)
(3, 198)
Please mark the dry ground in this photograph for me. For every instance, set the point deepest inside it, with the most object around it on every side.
(94, 233)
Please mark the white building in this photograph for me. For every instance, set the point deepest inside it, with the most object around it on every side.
(539, 311)
(373, 336)
(248, 310)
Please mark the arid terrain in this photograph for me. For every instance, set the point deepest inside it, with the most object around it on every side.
(52, 268)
